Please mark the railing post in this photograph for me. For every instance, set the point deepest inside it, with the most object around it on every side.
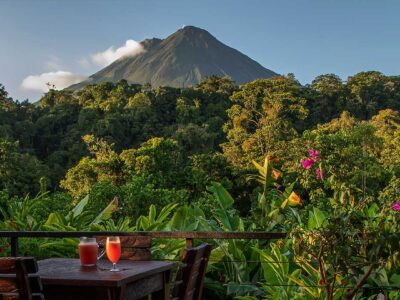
(189, 243)
(14, 246)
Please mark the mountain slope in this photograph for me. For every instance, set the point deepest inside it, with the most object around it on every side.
(182, 59)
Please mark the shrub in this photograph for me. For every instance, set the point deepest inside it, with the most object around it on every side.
(138, 194)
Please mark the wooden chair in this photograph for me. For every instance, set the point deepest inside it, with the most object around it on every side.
(18, 279)
(190, 277)
(132, 247)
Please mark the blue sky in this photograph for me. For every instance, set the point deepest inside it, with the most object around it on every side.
(307, 38)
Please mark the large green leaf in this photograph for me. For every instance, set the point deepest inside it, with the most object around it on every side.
(107, 212)
(225, 214)
(166, 211)
(317, 218)
(142, 223)
(184, 219)
(54, 219)
(78, 209)
(274, 264)
(372, 210)
(152, 213)
(306, 286)
(395, 279)
(217, 255)
(225, 200)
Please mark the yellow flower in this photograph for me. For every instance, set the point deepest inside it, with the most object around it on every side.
(294, 199)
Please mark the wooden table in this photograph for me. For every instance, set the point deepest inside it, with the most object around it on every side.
(66, 279)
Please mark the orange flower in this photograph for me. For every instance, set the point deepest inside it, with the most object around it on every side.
(294, 199)
(276, 174)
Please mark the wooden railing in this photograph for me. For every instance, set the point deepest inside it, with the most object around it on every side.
(189, 236)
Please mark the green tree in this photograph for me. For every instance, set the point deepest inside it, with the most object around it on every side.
(265, 115)
(326, 99)
(213, 84)
(159, 159)
(139, 193)
(105, 165)
(19, 172)
(369, 92)
(54, 97)
(6, 103)
(139, 100)
(387, 124)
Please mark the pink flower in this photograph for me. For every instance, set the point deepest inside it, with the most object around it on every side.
(307, 163)
(320, 174)
(396, 206)
(314, 154)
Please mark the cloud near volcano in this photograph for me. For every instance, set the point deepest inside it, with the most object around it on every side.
(58, 80)
(131, 48)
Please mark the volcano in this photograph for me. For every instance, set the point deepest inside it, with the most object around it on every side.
(182, 59)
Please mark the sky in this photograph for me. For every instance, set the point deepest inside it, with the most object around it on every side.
(64, 41)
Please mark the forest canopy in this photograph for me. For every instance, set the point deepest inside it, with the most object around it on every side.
(115, 132)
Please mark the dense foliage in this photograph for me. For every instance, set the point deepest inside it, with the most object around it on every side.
(320, 161)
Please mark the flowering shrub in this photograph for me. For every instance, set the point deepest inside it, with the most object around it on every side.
(309, 163)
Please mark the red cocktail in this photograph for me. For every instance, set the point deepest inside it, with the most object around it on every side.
(113, 250)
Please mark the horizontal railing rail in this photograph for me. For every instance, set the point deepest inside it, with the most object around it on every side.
(189, 236)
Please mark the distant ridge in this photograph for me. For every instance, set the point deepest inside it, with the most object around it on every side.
(183, 59)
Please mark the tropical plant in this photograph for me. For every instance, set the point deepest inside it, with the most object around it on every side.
(274, 202)
(343, 248)
(78, 219)
(280, 274)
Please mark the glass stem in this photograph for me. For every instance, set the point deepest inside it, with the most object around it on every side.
(114, 267)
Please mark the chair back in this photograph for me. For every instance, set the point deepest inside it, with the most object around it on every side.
(18, 279)
(190, 277)
(132, 247)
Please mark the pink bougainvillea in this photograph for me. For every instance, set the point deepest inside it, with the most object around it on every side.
(313, 154)
(307, 163)
(310, 161)
(396, 206)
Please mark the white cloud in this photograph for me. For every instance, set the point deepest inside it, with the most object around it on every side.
(131, 48)
(60, 79)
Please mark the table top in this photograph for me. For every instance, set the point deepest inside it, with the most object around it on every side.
(68, 271)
